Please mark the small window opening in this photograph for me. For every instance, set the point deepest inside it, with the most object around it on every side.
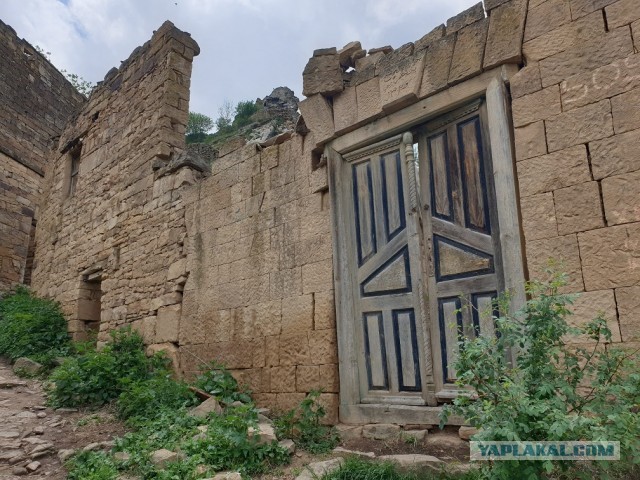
(75, 168)
(90, 304)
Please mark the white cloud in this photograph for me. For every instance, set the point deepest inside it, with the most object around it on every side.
(248, 47)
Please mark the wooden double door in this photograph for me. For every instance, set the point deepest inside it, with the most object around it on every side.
(422, 256)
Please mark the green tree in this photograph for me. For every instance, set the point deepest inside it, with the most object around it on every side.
(199, 124)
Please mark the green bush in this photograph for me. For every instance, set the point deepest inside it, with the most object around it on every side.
(91, 466)
(217, 381)
(146, 399)
(302, 425)
(554, 391)
(32, 327)
(98, 377)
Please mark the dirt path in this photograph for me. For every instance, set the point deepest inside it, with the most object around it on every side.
(31, 435)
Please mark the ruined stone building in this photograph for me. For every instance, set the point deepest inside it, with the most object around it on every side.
(339, 255)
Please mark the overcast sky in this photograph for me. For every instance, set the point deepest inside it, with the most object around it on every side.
(248, 47)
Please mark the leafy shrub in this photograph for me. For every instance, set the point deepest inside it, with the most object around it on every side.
(32, 327)
(302, 425)
(554, 391)
(217, 381)
(146, 399)
(91, 466)
(98, 377)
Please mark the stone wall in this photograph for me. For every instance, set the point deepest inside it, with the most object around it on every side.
(36, 102)
(116, 236)
(577, 136)
(259, 296)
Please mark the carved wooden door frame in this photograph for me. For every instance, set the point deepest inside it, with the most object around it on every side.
(491, 86)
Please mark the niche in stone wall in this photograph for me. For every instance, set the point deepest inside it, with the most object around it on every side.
(89, 302)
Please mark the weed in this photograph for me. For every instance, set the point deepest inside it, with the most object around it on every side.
(303, 426)
(91, 466)
(358, 469)
(217, 381)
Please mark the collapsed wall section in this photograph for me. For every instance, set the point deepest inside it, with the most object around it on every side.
(259, 297)
(113, 216)
(37, 100)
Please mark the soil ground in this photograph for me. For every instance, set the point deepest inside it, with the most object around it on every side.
(26, 424)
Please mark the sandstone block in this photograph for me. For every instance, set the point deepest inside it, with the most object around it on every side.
(329, 378)
(468, 51)
(368, 99)
(161, 457)
(504, 40)
(26, 365)
(288, 445)
(622, 13)
(546, 17)
(465, 432)
(621, 196)
(320, 469)
(553, 171)
(345, 109)
(538, 216)
(349, 432)
(590, 305)
(322, 75)
(578, 208)
(581, 125)
(168, 323)
(604, 82)
(324, 311)
(579, 8)
(323, 348)
(203, 410)
(177, 269)
(626, 113)
(170, 352)
(345, 54)
(530, 141)
(467, 17)
(609, 256)
(564, 254)
(317, 277)
(536, 106)
(562, 38)
(318, 115)
(264, 433)
(381, 431)
(491, 4)
(596, 51)
(426, 40)
(283, 379)
(307, 378)
(400, 76)
(412, 460)
(331, 404)
(526, 81)
(294, 350)
(628, 302)
(436, 66)
(615, 155)
(297, 314)
(288, 401)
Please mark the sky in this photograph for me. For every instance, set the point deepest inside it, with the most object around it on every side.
(248, 47)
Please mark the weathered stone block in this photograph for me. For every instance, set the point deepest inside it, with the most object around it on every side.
(590, 305)
(504, 40)
(546, 17)
(615, 155)
(436, 66)
(538, 216)
(468, 52)
(345, 109)
(323, 348)
(283, 379)
(381, 431)
(294, 350)
(325, 310)
(329, 378)
(596, 51)
(579, 8)
(626, 111)
(168, 323)
(581, 125)
(553, 171)
(307, 378)
(491, 4)
(628, 302)
(400, 75)
(536, 106)
(317, 277)
(426, 40)
(530, 140)
(621, 196)
(578, 208)
(470, 15)
(322, 75)
(565, 255)
(170, 352)
(610, 256)
(318, 115)
(287, 401)
(604, 82)
(526, 81)
(622, 13)
(297, 314)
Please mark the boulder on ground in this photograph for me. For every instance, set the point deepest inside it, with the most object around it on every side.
(205, 408)
(163, 456)
(26, 365)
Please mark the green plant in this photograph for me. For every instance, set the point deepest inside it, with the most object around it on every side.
(217, 381)
(91, 466)
(32, 327)
(303, 426)
(358, 469)
(554, 390)
(145, 399)
(98, 377)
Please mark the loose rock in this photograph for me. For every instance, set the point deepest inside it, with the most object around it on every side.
(205, 408)
(33, 466)
(380, 431)
(26, 365)
(288, 445)
(65, 454)
(163, 456)
(318, 469)
(465, 432)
